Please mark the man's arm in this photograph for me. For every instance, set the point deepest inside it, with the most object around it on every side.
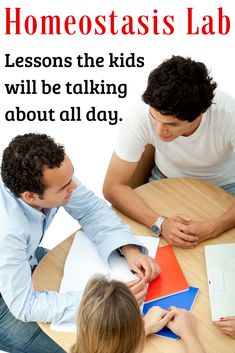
(213, 228)
(121, 195)
(124, 198)
(16, 286)
(107, 232)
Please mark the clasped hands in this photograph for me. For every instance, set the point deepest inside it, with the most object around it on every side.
(180, 230)
(180, 321)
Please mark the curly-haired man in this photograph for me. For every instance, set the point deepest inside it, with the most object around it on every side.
(37, 177)
(192, 127)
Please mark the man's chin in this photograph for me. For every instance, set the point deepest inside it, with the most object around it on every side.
(167, 139)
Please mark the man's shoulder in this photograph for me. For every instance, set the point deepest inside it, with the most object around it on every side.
(138, 111)
(223, 101)
(9, 206)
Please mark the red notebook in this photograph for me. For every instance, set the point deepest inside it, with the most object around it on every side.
(171, 279)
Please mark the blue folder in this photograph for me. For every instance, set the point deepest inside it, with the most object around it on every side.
(183, 300)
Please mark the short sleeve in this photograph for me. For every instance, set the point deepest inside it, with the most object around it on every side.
(134, 134)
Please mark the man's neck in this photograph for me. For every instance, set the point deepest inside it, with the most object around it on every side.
(194, 126)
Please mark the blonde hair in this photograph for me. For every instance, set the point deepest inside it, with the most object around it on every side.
(109, 319)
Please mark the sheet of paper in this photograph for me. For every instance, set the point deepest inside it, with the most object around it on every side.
(82, 262)
(79, 266)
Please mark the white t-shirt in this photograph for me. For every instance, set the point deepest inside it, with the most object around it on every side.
(209, 153)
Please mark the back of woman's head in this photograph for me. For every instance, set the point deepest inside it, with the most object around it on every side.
(109, 319)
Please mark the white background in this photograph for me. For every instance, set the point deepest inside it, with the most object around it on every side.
(90, 144)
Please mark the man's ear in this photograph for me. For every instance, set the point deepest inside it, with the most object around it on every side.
(29, 197)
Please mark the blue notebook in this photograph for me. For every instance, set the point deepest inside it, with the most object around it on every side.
(183, 300)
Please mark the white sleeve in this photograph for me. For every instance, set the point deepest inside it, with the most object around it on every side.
(134, 134)
(232, 135)
(225, 108)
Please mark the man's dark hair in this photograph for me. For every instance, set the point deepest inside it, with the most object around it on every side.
(24, 161)
(180, 87)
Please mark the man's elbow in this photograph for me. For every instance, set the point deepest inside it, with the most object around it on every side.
(22, 315)
(107, 191)
(111, 190)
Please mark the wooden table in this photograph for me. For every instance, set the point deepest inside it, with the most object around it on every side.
(201, 201)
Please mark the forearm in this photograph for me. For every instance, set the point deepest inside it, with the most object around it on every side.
(126, 200)
(214, 227)
(25, 303)
(224, 222)
(192, 344)
(99, 222)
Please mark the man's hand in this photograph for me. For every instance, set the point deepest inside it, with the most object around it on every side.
(175, 230)
(227, 325)
(139, 289)
(144, 266)
(204, 230)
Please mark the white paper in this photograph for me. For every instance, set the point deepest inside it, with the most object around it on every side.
(83, 261)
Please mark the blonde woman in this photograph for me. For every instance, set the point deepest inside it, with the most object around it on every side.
(109, 320)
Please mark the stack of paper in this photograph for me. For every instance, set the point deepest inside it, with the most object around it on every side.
(169, 288)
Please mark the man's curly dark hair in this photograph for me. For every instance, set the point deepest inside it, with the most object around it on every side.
(24, 161)
(180, 87)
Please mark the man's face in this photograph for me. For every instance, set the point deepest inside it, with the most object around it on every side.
(168, 128)
(59, 186)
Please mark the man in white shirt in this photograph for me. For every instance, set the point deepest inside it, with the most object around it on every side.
(193, 131)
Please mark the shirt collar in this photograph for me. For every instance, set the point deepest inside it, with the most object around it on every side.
(29, 210)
